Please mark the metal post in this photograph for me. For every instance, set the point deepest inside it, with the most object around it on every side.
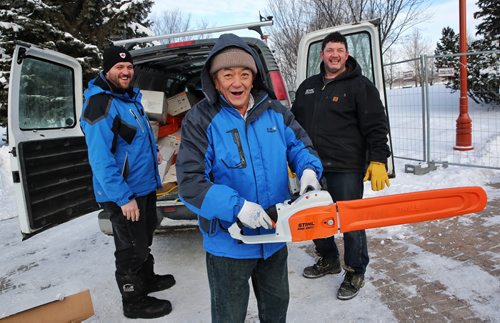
(426, 109)
(464, 122)
(424, 123)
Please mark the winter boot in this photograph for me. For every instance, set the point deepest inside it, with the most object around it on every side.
(351, 285)
(136, 304)
(323, 267)
(153, 282)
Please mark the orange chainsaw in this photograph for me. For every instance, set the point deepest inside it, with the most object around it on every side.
(314, 215)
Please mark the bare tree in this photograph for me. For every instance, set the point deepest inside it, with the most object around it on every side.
(413, 47)
(398, 16)
(291, 22)
(173, 22)
(294, 18)
(328, 13)
(390, 71)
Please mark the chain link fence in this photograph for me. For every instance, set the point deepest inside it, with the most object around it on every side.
(424, 104)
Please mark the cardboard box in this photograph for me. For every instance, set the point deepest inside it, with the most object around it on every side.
(180, 103)
(171, 175)
(172, 140)
(168, 153)
(155, 126)
(155, 105)
(74, 308)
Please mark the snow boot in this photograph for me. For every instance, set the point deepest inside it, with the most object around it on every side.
(153, 282)
(323, 267)
(351, 285)
(136, 304)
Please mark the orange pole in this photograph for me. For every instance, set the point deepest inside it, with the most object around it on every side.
(464, 122)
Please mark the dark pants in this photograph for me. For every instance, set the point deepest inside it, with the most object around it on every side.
(229, 288)
(346, 186)
(133, 239)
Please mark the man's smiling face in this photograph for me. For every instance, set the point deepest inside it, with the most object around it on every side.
(334, 57)
(121, 75)
(235, 84)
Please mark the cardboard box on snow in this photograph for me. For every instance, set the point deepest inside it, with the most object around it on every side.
(180, 103)
(73, 308)
(155, 105)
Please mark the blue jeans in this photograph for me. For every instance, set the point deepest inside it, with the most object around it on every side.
(346, 186)
(229, 288)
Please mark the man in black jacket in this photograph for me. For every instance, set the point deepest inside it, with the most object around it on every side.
(342, 112)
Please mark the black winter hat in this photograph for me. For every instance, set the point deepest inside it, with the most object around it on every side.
(113, 55)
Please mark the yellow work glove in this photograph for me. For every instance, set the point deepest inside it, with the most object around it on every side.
(378, 175)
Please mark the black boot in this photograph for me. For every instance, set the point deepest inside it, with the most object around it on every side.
(136, 304)
(152, 281)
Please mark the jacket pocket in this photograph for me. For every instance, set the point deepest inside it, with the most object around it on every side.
(124, 130)
(207, 227)
(236, 158)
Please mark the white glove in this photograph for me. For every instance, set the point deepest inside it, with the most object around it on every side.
(252, 215)
(308, 179)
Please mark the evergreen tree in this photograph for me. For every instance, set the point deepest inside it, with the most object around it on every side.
(486, 71)
(489, 12)
(482, 69)
(78, 28)
(448, 44)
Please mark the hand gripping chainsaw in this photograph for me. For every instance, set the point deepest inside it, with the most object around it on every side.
(314, 215)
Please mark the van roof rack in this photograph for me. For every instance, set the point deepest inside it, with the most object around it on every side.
(264, 21)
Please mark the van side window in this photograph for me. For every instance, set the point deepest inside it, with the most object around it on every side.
(46, 97)
(359, 48)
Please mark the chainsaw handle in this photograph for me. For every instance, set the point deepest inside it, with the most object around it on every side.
(272, 212)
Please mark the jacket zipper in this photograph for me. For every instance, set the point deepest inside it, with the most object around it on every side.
(153, 147)
(137, 119)
(124, 167)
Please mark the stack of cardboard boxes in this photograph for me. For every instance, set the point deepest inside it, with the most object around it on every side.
(166, 116)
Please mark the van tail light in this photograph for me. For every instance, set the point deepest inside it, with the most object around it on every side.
(279, 87)
(180, 44)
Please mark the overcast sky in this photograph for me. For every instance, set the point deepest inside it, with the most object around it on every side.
(221, 13)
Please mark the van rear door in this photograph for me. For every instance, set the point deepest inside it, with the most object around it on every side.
(364, 45)
(49, 163)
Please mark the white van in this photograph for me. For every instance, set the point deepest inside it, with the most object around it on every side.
(50, 169)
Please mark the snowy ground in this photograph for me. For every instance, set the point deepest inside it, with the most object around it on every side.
(444, 270)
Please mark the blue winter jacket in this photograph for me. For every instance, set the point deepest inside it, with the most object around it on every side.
(121, 145)
(224, 160)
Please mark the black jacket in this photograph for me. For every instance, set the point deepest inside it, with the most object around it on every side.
(345, 119)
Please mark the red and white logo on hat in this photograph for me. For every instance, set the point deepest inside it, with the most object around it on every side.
(123, 55)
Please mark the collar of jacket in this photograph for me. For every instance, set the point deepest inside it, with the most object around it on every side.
(259, 96)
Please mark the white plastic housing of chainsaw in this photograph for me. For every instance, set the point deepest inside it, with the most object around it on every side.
(285, 211)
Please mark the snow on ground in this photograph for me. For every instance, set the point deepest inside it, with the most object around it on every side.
(75, 256)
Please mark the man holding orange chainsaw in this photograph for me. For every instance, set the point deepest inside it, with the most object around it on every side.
(341, 111)
(231, 166)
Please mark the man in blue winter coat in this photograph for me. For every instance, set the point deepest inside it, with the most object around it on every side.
(124, 160)
(231, 166)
